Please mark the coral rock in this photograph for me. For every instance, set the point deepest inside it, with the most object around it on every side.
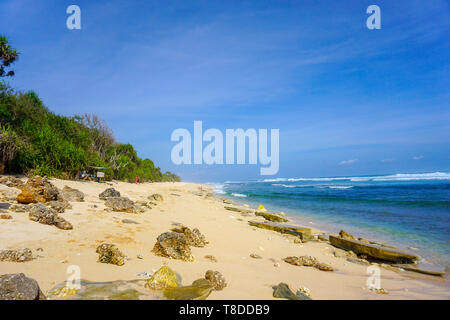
(19, 287)
(164, 278)
(109, 253)
(173, 245)
(217, 279)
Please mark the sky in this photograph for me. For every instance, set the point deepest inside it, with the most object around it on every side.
(346, 100)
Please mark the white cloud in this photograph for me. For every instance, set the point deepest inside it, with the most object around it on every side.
(345, 162)
(417, 157)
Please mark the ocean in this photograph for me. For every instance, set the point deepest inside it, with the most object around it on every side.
(409, 211)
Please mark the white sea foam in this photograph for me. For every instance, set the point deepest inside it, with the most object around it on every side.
(394, 177)
(239, 195)
(340, 187)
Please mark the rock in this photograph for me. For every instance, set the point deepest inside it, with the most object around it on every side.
(193, 237)
(111, 290)
(139, 256)
(372, 250)
(59, 206)
(422, 268)
(322, 237)
(156, 197)
(40, 213)
(19, 208)
(70, 194)
(199, 290)
(346, 235)
(5, 216)
(122, 204)
(211, 258)
(8, 194)
(129, 221)
(255, 256)
(10, 181)
(37, 189)
(379, 290)
(271, 216)
(282, 290)
(22, 255)
(307, 261)
(109, 253)
(173, 245)
(164, 278)
(240, 210)
(217, 279)
(303, 233)
(109, 193)
(19, 287)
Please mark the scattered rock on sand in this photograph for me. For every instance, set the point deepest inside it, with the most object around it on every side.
(164, 278)
(255, 256)
(211, 258)
(9, 194)
(10, 181)
(129, 221)
(59, 206)
(109, 193)
(199, 290)
(194, 237)
(282, 290)
(173, 245)
(40, 213)
(156, 197)
(19, 287)
(22, 255)
(217, 279)
(122, 204)
(71, 194)
(5, 216)
(109, 253)
(19, 208)
(37, 189)
(307, 261)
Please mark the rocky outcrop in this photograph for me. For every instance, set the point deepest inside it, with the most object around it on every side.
(269, 216)
(37, 189)
(122, 204)
(70, 194)
(156, 197)
(217, 279)
(283, 291)
(240, 210)
(373, 250)
(109, 193)
(199, 290)
(303, 233)
(164, 278)
(19, 287)
(40, 213)
(21, 255)
(193, 237)
(109, 253)
(343, 234)
(173, 245)
(307, 261)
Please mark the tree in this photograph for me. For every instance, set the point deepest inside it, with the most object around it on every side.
(7, 56)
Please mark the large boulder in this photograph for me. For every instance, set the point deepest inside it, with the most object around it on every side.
(19, 287)
(70, 194)
(37, 189)
(122, 204)
(193, 237)
(109, 253)
(109, 193)
(21, 255)
(40, 213)
(173, 245)
(164, 278)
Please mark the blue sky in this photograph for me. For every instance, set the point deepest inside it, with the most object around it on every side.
(347, 100)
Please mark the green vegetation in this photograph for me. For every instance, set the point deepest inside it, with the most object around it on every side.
(34, 140)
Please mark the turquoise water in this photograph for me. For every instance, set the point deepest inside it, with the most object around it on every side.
(410, 211)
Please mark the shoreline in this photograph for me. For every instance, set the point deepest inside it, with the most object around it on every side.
(231, 241)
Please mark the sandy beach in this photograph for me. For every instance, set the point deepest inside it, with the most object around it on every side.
(231, 241)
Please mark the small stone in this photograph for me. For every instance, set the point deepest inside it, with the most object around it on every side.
(211, 258)
(21, 255)
(109, 253)
(216, 278)
(5, 216)
(255, 256)
(156, 197)
(139, 256)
